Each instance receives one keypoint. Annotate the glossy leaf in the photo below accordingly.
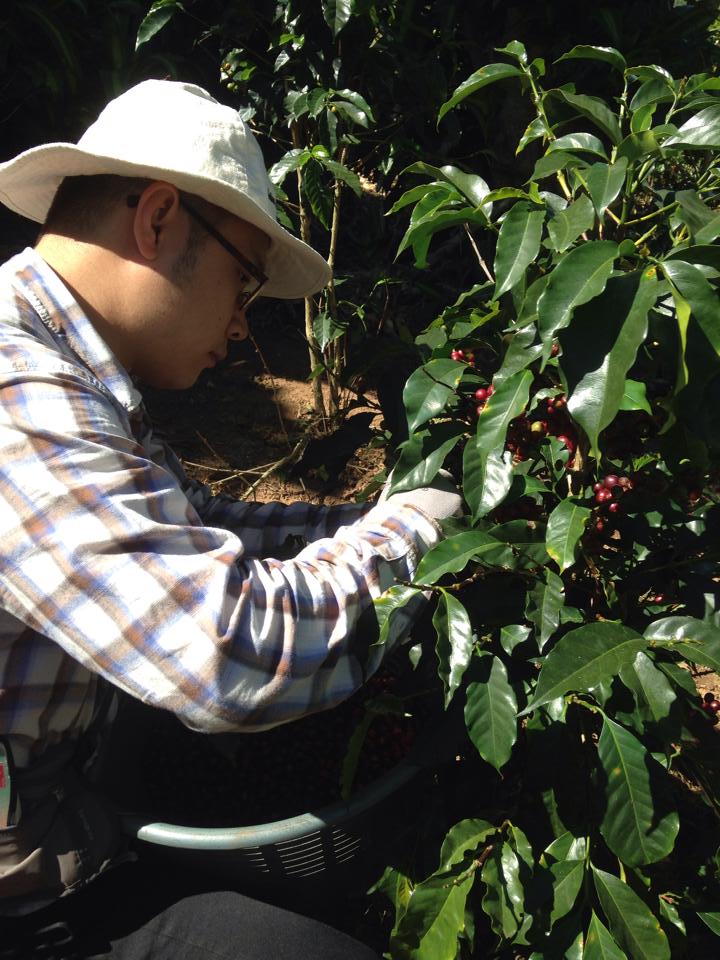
(490, 716)
(566, 525)
(599, 944)
(554, 161)
(470, 185)
(388, 605)
(594, 109)
(160, 13)
(632, 824)
(517, 246)
(568, 876)
(712, 920)
(566, 226)
(490, 73)
(344, 174)
(606, 54)
(428, 390)
(635, 397)
(507, 402)
(503, 897)
(465, 838)
(693, 639)
(653, 692)
(632, 923)
(579, 141)
(699, 293)
(583, 658)
(610, 328)
(454, 643)
(337, 13)
(486, 479)
(288, 163)
(699, 132)
(432, 922)
(545, 602)
(454, 553)
(423, 454)
(605, 181)
(580, 276)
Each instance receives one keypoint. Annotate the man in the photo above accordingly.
(117, 571)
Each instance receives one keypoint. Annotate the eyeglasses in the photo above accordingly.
(246, 297)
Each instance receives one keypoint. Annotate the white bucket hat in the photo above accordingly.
(176, 132)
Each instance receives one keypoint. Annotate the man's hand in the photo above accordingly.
(440, 500)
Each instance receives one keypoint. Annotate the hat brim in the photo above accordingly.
(29, 182)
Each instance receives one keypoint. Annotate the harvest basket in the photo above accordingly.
(331, 844)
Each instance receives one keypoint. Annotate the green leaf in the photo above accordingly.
(632, 923)
(429, 388)
(566, 524)
(605, 181)
(344, 174)
(388, 604)
(486, 479)
(454, 553)
(712, 920)
(632, 824)
(640, 143)
(594, 109)
(518, 245)
(653, 91)
(609, 329)
(599, 944)
(583, 658)
(490, 73)
(423, 455)
(455, 641)
(554, 161)
(579, 141)
(291, 161)
(464, 838)
(545, 603)
(507, 402)
(580, 276)
(469, 185)
(635, 397)
(490, 716)
(326, 329)
(653, 692)
(699, 132)
(607, 54)
(503, 899)
(434, 919)
(566, 227)
(160, 13)
(337, 13)
(695, 640)
(568, 876)
(701, 296)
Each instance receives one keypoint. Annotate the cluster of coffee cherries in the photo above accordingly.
(482, 395)
(711, 707)
(463, 356)
(608, 491)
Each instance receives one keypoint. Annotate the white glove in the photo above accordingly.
(439, 501)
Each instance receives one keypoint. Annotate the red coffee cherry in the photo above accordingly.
(481, 394)
(611, 481)
(567, 441)
(602, 495)
(613, 507)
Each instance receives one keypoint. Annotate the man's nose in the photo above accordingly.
(238, 326)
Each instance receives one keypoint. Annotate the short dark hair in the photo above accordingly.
(81, 204)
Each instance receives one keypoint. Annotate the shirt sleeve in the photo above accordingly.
(264, 528)
(104, 553)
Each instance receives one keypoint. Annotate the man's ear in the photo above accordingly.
(156, 216)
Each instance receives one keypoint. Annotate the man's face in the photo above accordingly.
(197, 309)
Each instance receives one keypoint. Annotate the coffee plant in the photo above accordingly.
(574, 392)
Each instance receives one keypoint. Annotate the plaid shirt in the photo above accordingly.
(114, 564)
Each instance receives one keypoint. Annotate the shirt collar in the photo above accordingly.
(67, 321)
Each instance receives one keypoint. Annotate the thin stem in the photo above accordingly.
(481, 261)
